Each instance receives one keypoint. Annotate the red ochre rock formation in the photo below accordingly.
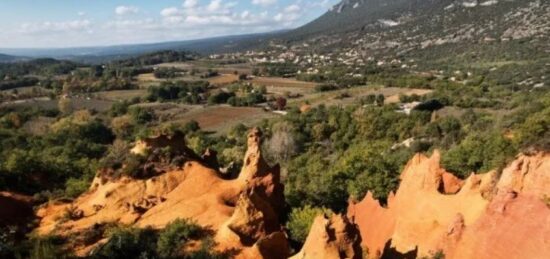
(333, 237)
(485, 216)
(243, 213)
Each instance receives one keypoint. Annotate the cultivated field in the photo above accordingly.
(47, 104)
(120, 95)
(280, 86)
(336, 97)
(223, 79)
(222, 118)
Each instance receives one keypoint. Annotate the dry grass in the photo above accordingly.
(120, 95)
(223, 79)
(282, 82)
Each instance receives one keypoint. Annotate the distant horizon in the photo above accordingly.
(79, 24)
(140, 43)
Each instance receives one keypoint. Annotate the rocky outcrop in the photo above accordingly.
(433, 211)
(333, 237)
(243, 213)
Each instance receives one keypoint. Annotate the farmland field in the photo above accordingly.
(332, 97)
(223, 79)
(279, 85)
(120, 95)
(46, 103)
(223, 118)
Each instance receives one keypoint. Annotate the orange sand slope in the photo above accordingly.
(486, 216)
(242, 212)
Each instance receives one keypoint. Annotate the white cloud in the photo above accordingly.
(292, 8)
(264, 2)
(289, 15)
(48, 26)
(190, 20)
(171, 11)
(190, 4)
(125, 10)
(215, 5)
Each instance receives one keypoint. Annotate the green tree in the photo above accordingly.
(301, 219)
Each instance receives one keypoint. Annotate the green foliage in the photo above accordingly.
(46, 163)
(141, 115)
(21, 82)
(187, 92)
(210, 73)
(155, 58)
(479, 153)
(279, 69)
(325, 88)
(535, 130)
(47, 248)
(42, 67)
(128, 243)
(76, 186)
(175, 235)
(125, 242)
(300, 221)
(249, 100)
(220, 97)
(167, 72)
(119, 108)
(191, 126)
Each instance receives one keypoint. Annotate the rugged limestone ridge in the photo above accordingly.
(432, 212)
(242, 212)
(333, 237)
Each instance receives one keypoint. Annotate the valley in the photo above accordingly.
(381, 129)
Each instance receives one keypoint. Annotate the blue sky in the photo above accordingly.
(71, 23)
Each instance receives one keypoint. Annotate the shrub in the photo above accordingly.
(301, 219)
(478, 153)
(127, 243)
(219, 98)
(175, 235)
(47, 248)
(74, 187)
(133, 166)
(325, 88)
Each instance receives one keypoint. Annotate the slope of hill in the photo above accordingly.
(431, 29)
(107, 53)
(8, 58)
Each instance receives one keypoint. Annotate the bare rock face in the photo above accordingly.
(333, 237)
(259, 177)
(528, 175)
(242, 212)
(253, 218)
(175, 142)
(481, 217)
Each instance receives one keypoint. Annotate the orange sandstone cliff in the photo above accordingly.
(333, 237)
(485, 216)
(243, 213)
(492, 215)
